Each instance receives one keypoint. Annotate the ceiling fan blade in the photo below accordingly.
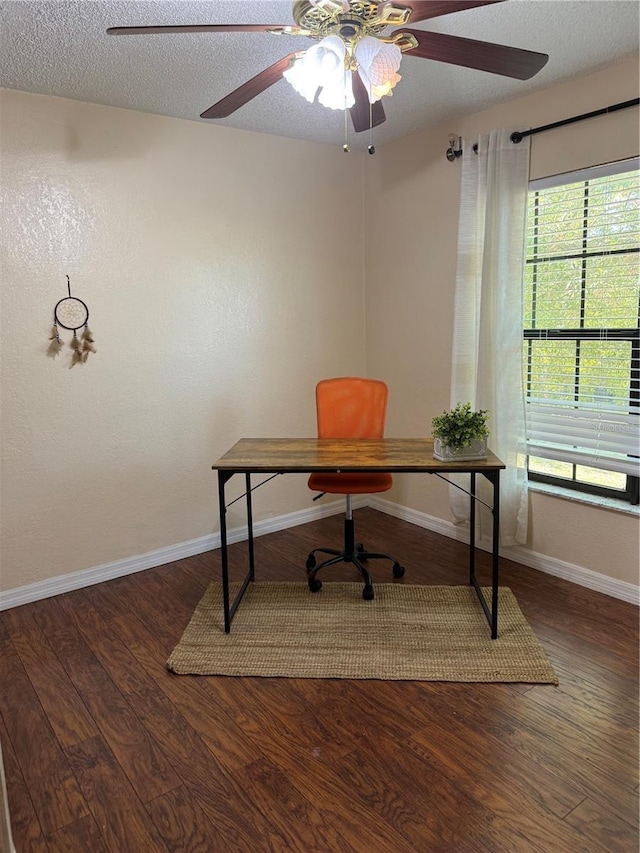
(481, 55)
(423, 9)
(361, 117)
(243, 94)
(207, 28)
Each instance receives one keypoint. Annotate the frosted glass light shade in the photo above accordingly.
(323, 67)
(378, 64)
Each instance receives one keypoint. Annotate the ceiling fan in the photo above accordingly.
(353, 65)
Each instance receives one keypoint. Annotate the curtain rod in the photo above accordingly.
(518, 135)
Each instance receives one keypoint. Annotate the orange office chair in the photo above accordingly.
(350, 408)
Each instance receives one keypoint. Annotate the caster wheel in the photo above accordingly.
(311, 562)
(360, 552)
(398, 570)
(315, 585)
(367, 593)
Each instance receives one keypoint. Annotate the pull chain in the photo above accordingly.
(345, 147)
(371, 148)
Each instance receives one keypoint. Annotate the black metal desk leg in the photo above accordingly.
(491, 612)
(472, 528)
(496, 554)
(223, 476)
(252, 567)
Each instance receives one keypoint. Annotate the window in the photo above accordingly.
(581, 339)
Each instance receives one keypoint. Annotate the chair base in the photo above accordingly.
(352, 553)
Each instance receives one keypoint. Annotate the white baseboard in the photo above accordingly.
(129, 565)
(519, 554)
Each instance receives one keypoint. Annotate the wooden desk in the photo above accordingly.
(395, 455)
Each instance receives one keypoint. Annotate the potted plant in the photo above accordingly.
(460, 433)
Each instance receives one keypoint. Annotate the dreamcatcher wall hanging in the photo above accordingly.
(72, 314)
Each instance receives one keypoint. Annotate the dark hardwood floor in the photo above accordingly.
(105, 750)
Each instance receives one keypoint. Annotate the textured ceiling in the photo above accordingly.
(60, 48)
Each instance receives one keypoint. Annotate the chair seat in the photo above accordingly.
(350, 483)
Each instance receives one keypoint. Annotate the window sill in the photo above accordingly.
(584, 498)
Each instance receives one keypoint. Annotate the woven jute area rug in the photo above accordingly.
(424, 633)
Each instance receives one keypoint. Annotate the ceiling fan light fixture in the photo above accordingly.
(323, 67)
(326, 67)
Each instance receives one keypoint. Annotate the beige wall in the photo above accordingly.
(410, 275)
(223, 273)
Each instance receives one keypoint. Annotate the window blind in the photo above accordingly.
(582, 306)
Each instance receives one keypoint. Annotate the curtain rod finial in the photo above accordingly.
(455, 148)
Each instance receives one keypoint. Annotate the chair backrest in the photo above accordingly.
(351, 407)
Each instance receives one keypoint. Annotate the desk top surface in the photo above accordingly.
(327, 454)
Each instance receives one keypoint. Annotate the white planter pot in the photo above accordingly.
(476, 450)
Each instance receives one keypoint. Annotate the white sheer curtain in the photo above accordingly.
(487, 338)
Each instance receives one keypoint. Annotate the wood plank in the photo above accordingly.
(299, 825)
(541, 747)
(118, 812)
(606, 701)
(598, 641)
(226, 742)
(376, 772)
(65, 710)
(571, 656)
(359, 823)
(183, 824)
(537, 781)
(577, 737)
(143, 762)
(217, 794)
(542, 829)
(4, 631)
(151, 603)
(611, 833)
(52, 786)
(25, 826)
(82, 835)
(20, 620)
(306, 733)
(621, 738)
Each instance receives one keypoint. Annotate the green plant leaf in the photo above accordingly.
(460, 426)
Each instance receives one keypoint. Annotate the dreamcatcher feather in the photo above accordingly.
(72, 314)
